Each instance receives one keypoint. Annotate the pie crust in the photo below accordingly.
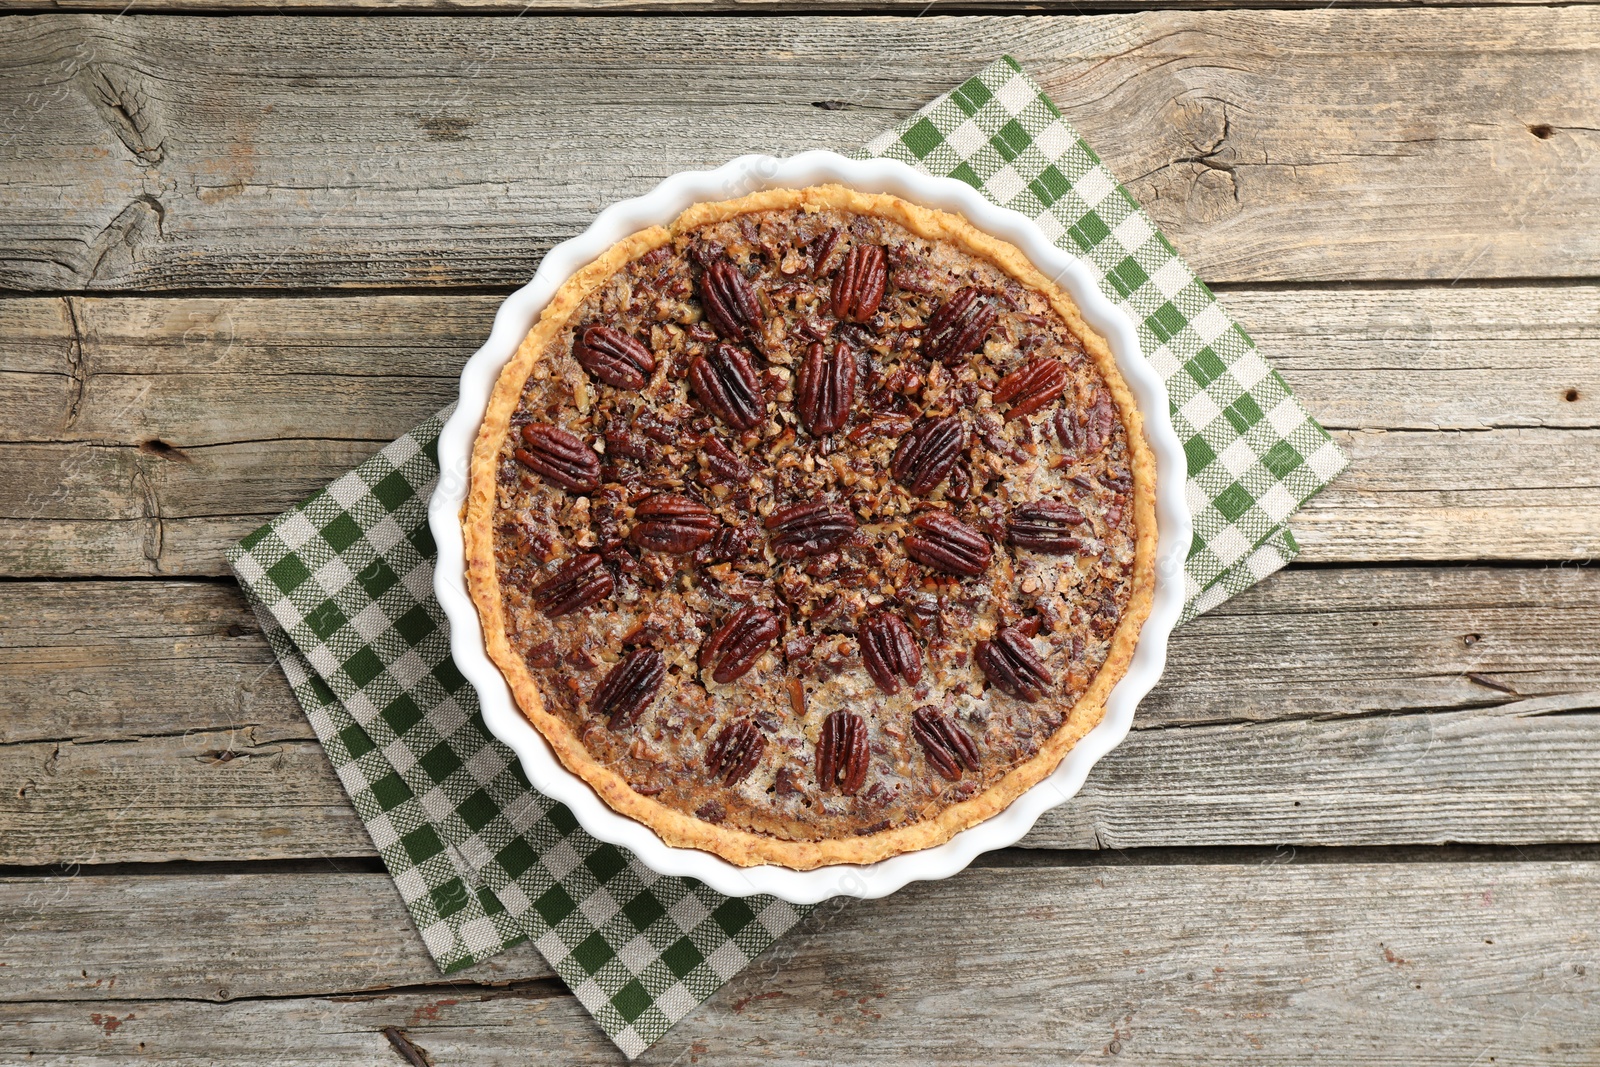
(683, 828)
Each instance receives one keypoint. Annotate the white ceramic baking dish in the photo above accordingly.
(740, 176)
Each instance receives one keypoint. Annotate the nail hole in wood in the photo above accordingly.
(1572, 395)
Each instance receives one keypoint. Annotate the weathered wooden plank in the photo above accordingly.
(150, 432)
(1326, 707)
(1342, 963)
(616, 7)
(1270, 145)
(190, 794)
(220, 937)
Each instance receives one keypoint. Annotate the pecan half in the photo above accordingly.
(724, 463)
(559, 457)
(577, 583)
(730, 543)
(842, 752)
(669, 522)
(1094, 428)
(1031, 386)
(613, 357)
(726, 383)
(730, 301)
(825, 388)
(736, 751)
(629, 688)
(926, 455)
(959, 327)
(810, 529)
(859, 285)
(890, 653)
(1012, 666)
(1043, 525)
(946, 543)
(735, 646)
(948, 747)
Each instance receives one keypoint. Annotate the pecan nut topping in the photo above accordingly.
(810, 529)
(736, 751)
(735, 646)
(726, 384)
(1012, 666)
(948, 747)
(959, 327)
(576, 584)
(613, 357)
(559, 457)
(926, 455)
(669, 522)
(629, 688)
(946, 543)
(825, 389)
(1090, 431)
(842, 752)
(1043, 526)
(730, 301)
(890, 653)
(859, 286)
(724, 463)
(1031, 386)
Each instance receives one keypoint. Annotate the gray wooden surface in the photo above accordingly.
(1359, 822)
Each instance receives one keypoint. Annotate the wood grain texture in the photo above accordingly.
(653, 7)
(1325, 707)
(150, 432)
(220, 937)
(1341, 964)
(1368, 144)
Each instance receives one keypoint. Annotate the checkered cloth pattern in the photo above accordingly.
(1255, 455)
(343, 588)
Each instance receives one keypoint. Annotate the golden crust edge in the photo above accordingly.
(742, 847)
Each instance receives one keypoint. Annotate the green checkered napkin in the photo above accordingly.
(1255, 455)
(343, 587)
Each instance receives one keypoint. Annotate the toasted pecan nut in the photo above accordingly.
(890, 653)
(577, 583)
(613, 357)
(1012, 666)
(724, 463)
(959, 327)
(810, 529)
(670, 522)
(842, 753)
(726, 384)
(1089, 430)
(629, 688)
(560, 457)
(736, 751)
(945, 543)
(825, 388)
(927, 454)
(1031, 386)
(948, 747)
(859, 285)
(1044, 526)
(730, 301)
(735, 646)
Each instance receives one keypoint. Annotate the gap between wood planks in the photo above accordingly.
(1158, 856)
(718, 8)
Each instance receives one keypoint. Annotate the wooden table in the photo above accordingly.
(1356, 823)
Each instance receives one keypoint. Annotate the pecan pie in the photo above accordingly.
(812, 528)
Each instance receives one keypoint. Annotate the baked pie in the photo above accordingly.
(812, 528)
